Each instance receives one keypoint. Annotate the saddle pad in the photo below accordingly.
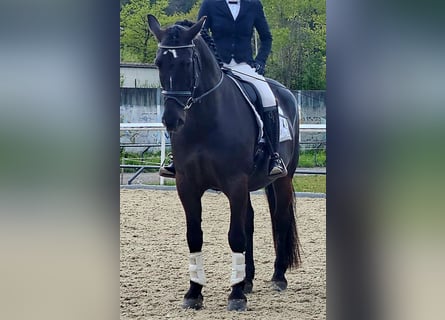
(284, 122)
(284, 126)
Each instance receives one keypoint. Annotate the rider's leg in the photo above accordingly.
(270, 118)
(272, 129)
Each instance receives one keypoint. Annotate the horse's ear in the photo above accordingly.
(155, 27)
(196, 28)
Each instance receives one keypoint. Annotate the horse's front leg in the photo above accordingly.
(238, 198)
(191, 201)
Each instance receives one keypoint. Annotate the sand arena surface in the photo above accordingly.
(154, 260)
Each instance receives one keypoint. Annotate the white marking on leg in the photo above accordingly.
(171, 83)
(196, 268)
(238, 268)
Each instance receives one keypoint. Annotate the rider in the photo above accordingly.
(232, 23)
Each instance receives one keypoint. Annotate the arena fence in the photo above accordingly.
(160, 127)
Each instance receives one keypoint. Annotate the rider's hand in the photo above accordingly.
(259, 68)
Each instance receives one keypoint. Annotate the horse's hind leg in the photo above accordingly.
(250, 267)
(191, 201)
(281, 203)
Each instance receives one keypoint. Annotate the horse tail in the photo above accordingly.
(284, 228)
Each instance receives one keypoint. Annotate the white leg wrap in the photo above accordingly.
(238, 268)
(196, 268)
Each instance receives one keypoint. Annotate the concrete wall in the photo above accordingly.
(140, 105)
(313, 104)
(139, 75)
(313, 109)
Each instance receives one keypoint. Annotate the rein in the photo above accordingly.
(172, 94)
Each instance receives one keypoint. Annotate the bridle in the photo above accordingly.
(174, 94)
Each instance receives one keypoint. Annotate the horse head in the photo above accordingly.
(177, 63)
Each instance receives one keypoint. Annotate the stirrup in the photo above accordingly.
(277, 167)
(168, 171)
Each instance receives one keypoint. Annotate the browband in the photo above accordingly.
(191, 45)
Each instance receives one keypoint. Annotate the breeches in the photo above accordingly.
(249, 74)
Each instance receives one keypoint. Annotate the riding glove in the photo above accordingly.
(259, 67)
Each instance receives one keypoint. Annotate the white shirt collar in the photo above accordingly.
(234, 8)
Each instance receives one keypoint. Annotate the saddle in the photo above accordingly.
(249, 91)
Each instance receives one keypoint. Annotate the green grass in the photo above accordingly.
(312, 158)
(310, 183)
(136, 158)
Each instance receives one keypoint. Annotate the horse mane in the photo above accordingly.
(185, 23)
(173, 33)
(208, 39)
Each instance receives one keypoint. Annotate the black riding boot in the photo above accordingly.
(272, 129)
(168, 171)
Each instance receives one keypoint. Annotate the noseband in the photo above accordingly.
(173, 94)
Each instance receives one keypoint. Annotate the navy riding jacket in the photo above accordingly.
(233, 37)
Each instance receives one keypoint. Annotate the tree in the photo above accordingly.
(183, 6)
(136, 41)
(298, 57)
(135, 35)
(123, 2)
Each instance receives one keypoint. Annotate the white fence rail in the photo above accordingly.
(148, 127)
(309, 127)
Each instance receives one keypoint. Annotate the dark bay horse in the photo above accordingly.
(214, 137)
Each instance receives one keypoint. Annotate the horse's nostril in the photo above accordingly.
(173, 125)
(167, 125)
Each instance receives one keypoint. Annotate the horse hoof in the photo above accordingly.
(195, 303)
(279, 285)
(237, 305)
(248, 287)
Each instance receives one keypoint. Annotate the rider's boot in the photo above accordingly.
(168, 171)
(272, 128)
